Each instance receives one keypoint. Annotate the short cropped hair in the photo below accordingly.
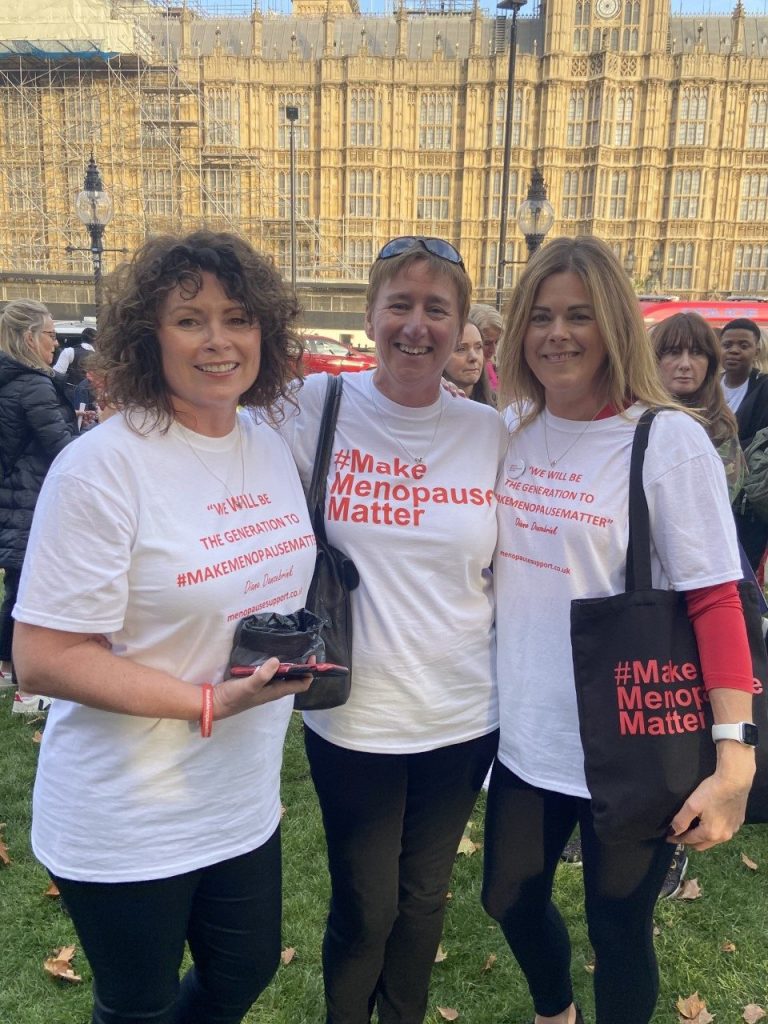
(384, 270)
(743, 323)
(128, 361)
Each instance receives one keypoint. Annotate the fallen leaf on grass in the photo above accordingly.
(749, 863)
(728, 947)
(489, 962)
(52, 891)
(656, 930)
(590, 967)
(693, 1010)
(691, 890)
(37, 736)
(467, 848)
(283, 811)
(60, 964)
(753, 1013)
(4, 857)
(448, 1013)
(288, 954)
(440, 955)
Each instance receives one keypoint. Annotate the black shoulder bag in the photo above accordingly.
(644, 716)
(335, 574)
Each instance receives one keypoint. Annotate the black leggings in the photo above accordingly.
(525, 833)
(133, 934)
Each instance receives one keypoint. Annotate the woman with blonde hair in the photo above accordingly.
(579, 370)
(36, 422)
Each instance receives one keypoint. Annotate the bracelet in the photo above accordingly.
(206, 717)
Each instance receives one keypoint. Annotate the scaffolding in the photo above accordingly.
(169, 137)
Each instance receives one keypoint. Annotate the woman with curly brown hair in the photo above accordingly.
(176, 517)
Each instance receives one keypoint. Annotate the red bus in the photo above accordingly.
(715, 313)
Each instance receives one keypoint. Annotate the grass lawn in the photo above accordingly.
(732, 908)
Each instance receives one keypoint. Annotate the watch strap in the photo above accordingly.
(742, 732)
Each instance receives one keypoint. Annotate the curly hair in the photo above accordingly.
(128, 362)
(692, 333)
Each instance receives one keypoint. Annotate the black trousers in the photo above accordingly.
(393, 823)
(11, 585)
(525, 832)
(133, 934)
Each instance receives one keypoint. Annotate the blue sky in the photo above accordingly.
(223, 7)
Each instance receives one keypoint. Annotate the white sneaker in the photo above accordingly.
(30, 704)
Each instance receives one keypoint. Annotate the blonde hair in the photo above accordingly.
(631, 373)
(384, 270)
(16, 319)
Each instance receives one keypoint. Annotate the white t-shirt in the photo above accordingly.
(734, 396)
(562, 535)
(162, 542)
(422, 538)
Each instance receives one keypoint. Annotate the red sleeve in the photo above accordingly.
(718, 622)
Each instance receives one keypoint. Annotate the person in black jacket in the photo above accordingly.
(36, 421)
(746, 392)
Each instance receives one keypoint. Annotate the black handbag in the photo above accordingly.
(335, 574)
(644, 717)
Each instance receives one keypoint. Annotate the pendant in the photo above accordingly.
(418, 461)
(553, 462)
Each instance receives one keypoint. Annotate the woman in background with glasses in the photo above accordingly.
(36, 422)
(410, 499)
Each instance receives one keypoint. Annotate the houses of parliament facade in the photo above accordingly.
(651, 131)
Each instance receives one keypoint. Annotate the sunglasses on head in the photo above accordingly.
(435, 246)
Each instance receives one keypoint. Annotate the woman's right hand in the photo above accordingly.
(239, 693)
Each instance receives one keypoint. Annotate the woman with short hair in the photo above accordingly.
(397, 769)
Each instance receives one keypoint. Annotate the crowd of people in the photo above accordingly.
(194, 490)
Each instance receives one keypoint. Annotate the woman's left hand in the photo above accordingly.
(714, 812)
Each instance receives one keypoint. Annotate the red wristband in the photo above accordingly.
(206, 717)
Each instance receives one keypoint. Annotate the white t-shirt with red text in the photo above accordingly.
(162, 543)
(563, 534)
(422, 538)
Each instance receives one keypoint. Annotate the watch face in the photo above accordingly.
(750, 734)
(607, 8)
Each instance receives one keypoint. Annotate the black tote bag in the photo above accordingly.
(644, 717)
(335, 576)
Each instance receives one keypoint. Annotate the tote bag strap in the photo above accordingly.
(316, 494)
(638, 573)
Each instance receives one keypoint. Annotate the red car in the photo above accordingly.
(324, 355)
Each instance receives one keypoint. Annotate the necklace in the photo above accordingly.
(561, 456)
(208, 469)
(417, 460)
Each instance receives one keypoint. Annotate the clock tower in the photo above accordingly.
(592, 26)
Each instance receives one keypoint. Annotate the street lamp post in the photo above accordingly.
(629, 263)
(94, 208)
(514, 6)
(292, 113)
(654, 267)
(536, 215)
